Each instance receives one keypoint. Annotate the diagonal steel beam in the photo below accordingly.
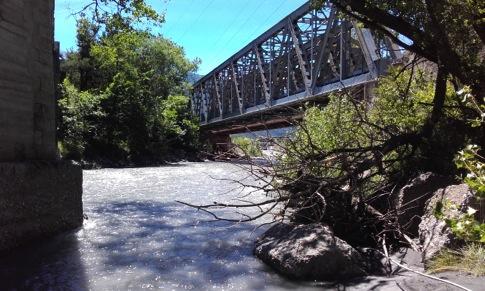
(267, 94)
(236, 85)
(218, 94)
(368, 47)
(226, 94)
(333, 66)
(396, 52)
(323, 50)
(198, 101)
(299, 54)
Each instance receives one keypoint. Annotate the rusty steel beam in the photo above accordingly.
(277, 122)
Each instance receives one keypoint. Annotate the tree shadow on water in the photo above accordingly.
(178, 246)
(145, 244)
(173, 243)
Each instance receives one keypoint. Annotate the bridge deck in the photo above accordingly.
(309, 54)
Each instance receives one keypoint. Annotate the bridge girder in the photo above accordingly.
(310, 53)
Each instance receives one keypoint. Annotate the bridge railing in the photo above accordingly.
(311, 52)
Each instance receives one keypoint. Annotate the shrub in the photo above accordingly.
(126, 106)
(469, 259)
(465, 225)
(347, 124)
(250, 147)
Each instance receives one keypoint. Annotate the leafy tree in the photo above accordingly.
(81, 113)
(121, 14)
(181, 128)
(134, 79)
(249, 147)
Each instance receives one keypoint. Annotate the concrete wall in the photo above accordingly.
(39, 195)
(38, 199)
(27, 104)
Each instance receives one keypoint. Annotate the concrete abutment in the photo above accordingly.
(38, 199)
(39, 194)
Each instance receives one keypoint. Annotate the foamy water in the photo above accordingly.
(137, 237)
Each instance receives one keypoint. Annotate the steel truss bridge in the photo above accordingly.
(306, 56)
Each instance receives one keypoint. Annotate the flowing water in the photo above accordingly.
(138, 237)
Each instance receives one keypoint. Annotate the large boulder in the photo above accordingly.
(309, 251)
(411, 199)
(434, 234)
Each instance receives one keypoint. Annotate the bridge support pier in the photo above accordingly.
(40, 195)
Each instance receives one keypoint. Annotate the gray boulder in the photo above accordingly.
(308, 252)
(411, 199)
(434, 234)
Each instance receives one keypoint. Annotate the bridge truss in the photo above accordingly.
(310, 53)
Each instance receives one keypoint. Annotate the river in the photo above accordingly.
(137, 237)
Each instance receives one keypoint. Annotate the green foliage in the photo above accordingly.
(351, 150)
(349, 156)
(469, 259)
(474, 164)
(331, 127)
(182, 129)
(132, 82)
(250, 147)
(125, 14)
(397, 108)
(470, 101)
(158, 63)
(462, 224)
(80, 113)
(400, 106)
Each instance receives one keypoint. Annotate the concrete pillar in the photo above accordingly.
(39, 195)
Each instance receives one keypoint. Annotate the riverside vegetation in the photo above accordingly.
(124, 90)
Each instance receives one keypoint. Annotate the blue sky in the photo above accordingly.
(211, 30)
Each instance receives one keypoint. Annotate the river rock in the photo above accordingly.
(434, 234)
(309, 251)
(411, 199)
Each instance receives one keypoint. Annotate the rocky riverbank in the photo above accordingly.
(313, 251)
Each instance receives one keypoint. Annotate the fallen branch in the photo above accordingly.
(204, 208)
